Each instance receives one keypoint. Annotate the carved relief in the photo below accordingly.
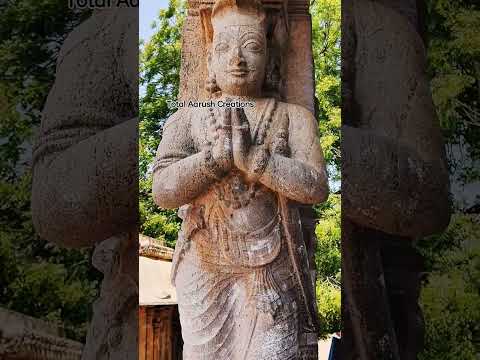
(241, 266)
(84, 190)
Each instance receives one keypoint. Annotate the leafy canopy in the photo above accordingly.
(37, 278)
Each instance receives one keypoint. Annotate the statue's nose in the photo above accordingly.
(237, 58)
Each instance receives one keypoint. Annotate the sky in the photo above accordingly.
(148, 10)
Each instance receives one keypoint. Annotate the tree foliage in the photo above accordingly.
(37, 278)
(159, 83)
(454, 65)
(449, 298)
(326, 36)
(328, 261)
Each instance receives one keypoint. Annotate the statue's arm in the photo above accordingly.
(86, 192)
(302, 176)
(85, 166)
(394, 172)
(180, 174)
(387, 185)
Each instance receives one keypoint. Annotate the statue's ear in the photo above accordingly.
(206, 17)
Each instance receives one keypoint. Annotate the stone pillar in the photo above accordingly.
(300, 82)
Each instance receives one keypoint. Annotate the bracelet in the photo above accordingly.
(211, 166)
(260, 162)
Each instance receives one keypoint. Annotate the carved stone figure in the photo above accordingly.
(394, 178)
(85, 178)
(239, 174)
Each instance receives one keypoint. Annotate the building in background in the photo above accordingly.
(159, 325)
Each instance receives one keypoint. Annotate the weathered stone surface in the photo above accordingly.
(241, 265)
(85, 183)
(24, 337)
(394, 178)
(85, 159)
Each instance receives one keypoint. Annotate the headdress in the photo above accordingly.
(239, 12)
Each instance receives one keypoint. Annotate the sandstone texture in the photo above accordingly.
(241, 177)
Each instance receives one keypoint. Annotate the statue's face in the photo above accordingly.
(238, 58)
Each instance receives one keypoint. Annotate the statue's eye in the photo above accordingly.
(252, 45)
(223, 46)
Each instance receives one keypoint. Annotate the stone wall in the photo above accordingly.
(26, 338)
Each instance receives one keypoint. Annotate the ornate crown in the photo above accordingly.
(238, 10)
(252, 9)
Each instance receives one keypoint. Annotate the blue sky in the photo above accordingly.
(148, 10)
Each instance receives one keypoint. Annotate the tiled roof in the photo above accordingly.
(155, 266)
(154, 249)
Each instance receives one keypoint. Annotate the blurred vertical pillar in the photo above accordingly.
(394, 177)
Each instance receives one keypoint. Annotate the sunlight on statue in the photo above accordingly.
(244, 284)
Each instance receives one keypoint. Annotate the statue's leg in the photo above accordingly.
(403, 266)
(208, 302)
(274, 307)
(369, 332)
(274, 338)
(382, 282)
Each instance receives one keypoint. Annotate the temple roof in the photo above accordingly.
(154, 249)
(154, 273)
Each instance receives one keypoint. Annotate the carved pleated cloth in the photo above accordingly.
(236, 288)
(233, 314)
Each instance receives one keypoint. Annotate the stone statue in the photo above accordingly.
(85, 174)
(395, 186)
(239, 175)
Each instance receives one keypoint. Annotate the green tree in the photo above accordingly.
(449, 297)
(328, 261)
(326, 36)
(38, 278)
(454, 66)
(159, 82)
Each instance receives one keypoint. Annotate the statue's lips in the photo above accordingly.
(239, 72)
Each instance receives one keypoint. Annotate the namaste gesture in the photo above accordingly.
(234, 148)
(241, 265)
